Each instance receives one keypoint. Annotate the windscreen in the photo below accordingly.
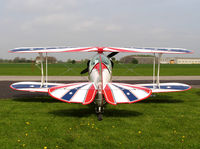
(96, 59)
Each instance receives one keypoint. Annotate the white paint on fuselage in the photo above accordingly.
(100, 80)
(95, 77)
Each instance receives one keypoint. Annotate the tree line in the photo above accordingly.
(50, 59)
(53, 60)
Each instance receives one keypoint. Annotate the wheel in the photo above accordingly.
(100, 117)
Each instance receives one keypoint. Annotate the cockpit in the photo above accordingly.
(96, 59)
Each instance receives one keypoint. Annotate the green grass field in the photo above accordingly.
(167, 121)
(119, 69)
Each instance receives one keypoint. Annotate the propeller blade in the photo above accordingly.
(112, 54)
(86, 69)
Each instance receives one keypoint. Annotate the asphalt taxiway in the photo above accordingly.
(7, 92)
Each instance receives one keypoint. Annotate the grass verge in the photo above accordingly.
(119, 69)
(167, 120)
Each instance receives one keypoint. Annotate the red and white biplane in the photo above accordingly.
(100, 89)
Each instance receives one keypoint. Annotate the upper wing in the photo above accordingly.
(52, 49)
(125, 93)
(99, 49)
(149, 50)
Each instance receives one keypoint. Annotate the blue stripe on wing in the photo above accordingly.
(168, 49)
(169, 87)
(23, 86)
(127, 93)
(71, 93)
(18, 50)
(180, 50)
(26, 49)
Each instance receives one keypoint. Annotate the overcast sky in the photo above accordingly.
(141, 23)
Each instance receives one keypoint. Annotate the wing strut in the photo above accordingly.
(42, 69)
(154, 69)
(158, 73)
(44, 79)
(46, 69)
(156, 79)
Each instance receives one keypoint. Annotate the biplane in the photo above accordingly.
(100, 89)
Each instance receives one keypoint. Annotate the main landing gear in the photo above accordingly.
(99, 111)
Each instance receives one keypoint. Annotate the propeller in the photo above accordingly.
(112, 54)
(88, 62)
(86, 69)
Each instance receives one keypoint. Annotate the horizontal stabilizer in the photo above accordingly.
(75, 93)
(33, 86)
(166, 87)
(125, 93)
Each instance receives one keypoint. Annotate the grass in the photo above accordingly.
(167, 121)
(119, 69)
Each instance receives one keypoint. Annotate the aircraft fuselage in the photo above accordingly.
(100, 72)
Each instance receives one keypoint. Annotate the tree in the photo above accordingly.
(134, 61)
(16, 60)
(73, 61)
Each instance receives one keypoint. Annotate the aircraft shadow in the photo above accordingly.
(121, 113)
(198, 93)
(160, 99)
(87, 112)
(42, 97)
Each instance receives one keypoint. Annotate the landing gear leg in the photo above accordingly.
(99, 111)
(100, 117)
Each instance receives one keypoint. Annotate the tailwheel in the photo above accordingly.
(100, 116)
(99, 111)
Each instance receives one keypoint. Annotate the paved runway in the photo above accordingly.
(7, 92)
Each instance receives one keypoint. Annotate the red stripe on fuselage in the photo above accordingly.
(109, 95)
(90, 95)
(97, 66)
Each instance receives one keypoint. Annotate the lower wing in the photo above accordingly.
(166, 87)
(33, 86)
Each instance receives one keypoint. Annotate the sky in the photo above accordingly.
(123, 23)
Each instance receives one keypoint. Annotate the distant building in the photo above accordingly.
(141, 59)
(178, 60)
(168, 60)
(164, 60)
(188, 61)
